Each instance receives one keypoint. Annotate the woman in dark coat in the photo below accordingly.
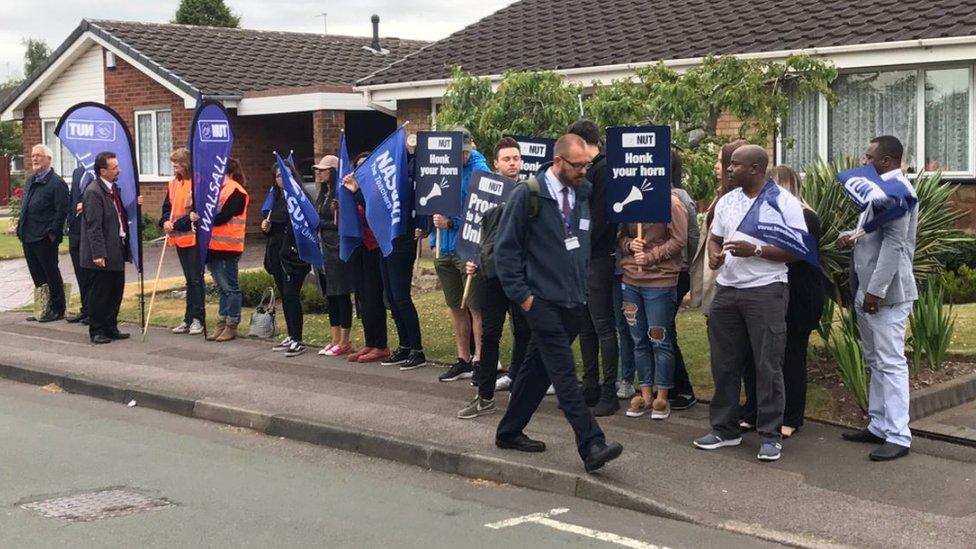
(335, 277)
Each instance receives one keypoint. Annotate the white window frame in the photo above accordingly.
(56, 148)
(823, 119)
(147, 176)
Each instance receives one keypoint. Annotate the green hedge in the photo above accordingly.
(255, 283)
(960, 286)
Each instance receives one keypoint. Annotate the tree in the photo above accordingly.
(35, 55)
(210, 13)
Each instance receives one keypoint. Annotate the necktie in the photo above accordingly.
(567, 211)
(119, 208)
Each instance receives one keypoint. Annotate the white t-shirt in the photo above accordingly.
(751, 272)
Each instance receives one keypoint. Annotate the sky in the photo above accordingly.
(52, 21)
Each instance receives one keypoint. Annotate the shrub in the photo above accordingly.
(960, 286)
(963, 253)
(932, 324)
(312, 300)
(844, 346)
(255, 282)
(149, 228)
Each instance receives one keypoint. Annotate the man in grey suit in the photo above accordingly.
(884, 291)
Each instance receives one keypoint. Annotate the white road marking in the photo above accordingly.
(543, 519)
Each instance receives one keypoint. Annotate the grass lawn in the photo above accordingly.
(10, 246)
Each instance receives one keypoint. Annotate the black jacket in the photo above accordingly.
(100, 230)
(530, 252)
(75, 218)
(44, 209)
(603, 240)
(489, 233)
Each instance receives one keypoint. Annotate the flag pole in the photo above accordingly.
(467, 289)
(159, 269)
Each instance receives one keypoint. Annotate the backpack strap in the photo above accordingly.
(533, 184)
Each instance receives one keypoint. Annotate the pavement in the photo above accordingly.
(823, 492)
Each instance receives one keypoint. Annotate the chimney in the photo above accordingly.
(376, 33)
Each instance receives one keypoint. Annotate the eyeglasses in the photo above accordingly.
(576, 165)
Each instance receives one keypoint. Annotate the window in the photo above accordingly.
(63, 162)
(800, 126)
(154, 143)
(947, 120)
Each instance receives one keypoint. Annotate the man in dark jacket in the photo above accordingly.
(79, 180)
(104, 249)
(40, 229)
(541, 258)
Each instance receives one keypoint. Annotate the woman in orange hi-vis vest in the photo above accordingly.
(175, 221)
(225, 249)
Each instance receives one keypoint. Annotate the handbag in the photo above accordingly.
(263, 323)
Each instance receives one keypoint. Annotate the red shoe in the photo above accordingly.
(375, 355)
(354, 357)
(339, 350)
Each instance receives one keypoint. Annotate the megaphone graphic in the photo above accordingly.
(635, 195)
(435, 191)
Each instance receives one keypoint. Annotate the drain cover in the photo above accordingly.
(96, 505)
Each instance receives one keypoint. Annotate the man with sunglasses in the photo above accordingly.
(541, 258)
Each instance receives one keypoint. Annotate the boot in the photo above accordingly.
(608, 404)
(219, 329)
(229, 333)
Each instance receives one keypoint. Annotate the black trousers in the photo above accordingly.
(369, 296)
(598, 333)
(682, 384)
(549, 360)
(42, 262)
(397, 274)
(104, 300)
(190, 262)
(494, 306)
(83, 276)
(291, 302)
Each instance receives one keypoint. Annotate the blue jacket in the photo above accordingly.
(476, 161)
(530, 253)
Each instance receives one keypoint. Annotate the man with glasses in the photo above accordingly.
(541, 257)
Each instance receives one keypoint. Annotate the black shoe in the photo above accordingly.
(889, 451)
(76, 318)
(600, 454)
(608, 403)
(682, 402)
(415, 359)
(397, 358)
(100, 339)
(31, 318)
(475, 373)
(86, 321)
(591, 394)
(521, 443)
(863, 436)
(460, 370)
(51, 316)
(117, 335)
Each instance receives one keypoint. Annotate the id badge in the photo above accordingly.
(572, 243)
(584, 224)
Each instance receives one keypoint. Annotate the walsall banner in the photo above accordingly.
(535, 152)
(765, 221)
(485, 191)
(90, 128)
(639, 162)
(386, 190)
(350, 234)
(437, 173)
(304, 218)
(889, 198)
(211, 139)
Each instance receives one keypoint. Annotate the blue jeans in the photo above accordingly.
(224, 271)
(627, 364)
(650, 314)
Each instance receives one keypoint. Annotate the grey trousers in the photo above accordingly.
(738, 320)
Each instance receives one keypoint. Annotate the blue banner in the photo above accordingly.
(765, 221)
(304, 218)
(386, 190)
(350, 233)
(485, 191)
(536, 152)
(639, 182)
(211, 139)
(438, 169)
(889, 198)
(87, 129)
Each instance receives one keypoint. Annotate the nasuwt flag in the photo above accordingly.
(386, 190)
(765, 221)
(889, 198)
(211, 139)
(90, 128)
(304, 218)
(350, 233)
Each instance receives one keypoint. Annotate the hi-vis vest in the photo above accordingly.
(229, 237)
(180, 201)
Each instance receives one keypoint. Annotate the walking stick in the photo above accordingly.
(467, 289)
(640, 236)
(159, 269)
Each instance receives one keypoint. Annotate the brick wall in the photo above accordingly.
(326, 126)
(31, 132)
(728, 126)
(417, 112)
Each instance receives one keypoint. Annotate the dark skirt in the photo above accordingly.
(335, 277)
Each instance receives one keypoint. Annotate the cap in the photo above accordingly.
(467, 142)
(328, 161)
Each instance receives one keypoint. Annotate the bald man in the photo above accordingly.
(749, 308)
(542, 253)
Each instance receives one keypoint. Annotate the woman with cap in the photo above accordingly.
(335, 277)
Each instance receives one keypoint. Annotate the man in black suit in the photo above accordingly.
(40, 229)
(104, 249)
(79, 180)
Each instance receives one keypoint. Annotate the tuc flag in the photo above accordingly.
(889, 198)
(386, 190)
(90, 128)
(765, 221)
(304, 218)
(350, 234)
(211, 139)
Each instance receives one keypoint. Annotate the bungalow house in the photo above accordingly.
(906, 65)
(284, 91)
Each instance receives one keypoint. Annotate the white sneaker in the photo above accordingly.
(625, 389)
(283, 346)
(182, 328)
(504, 383)
(196, 327)
(551, 390)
